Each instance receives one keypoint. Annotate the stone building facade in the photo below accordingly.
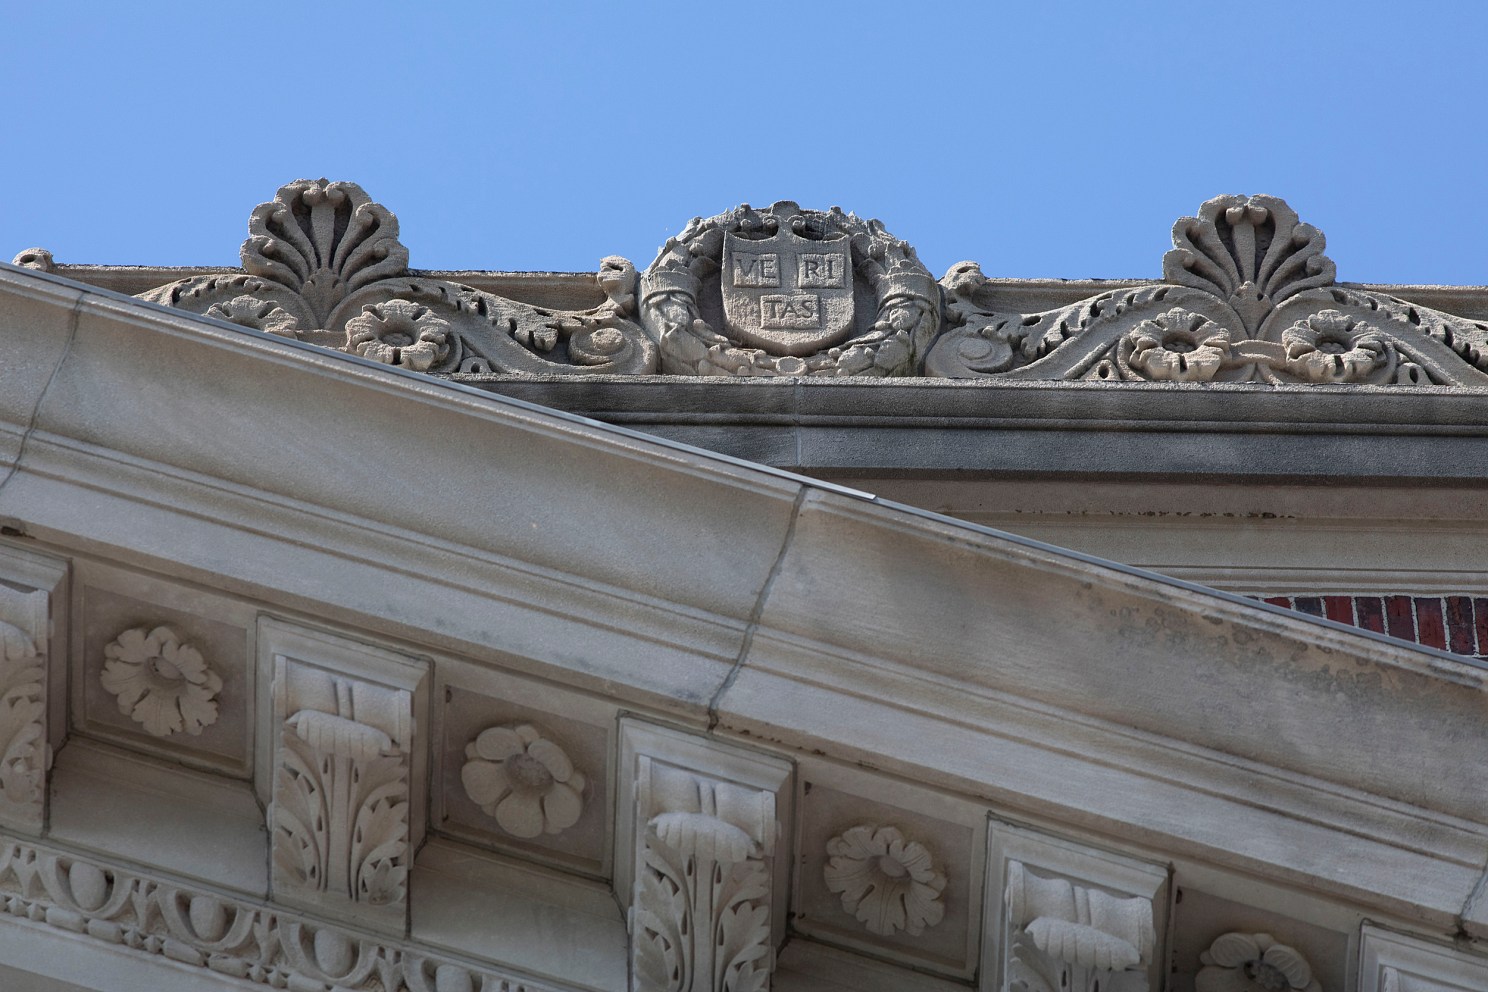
(776, 617)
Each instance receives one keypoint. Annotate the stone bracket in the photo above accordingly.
(1064, 916)
(1395, 962)
(342, 761)
(700, 859)
(33, 673)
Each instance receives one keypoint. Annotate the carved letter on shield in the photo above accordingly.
(787, 294)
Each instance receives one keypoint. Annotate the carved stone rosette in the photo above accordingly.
(1246, 295)
(787, 291)
(323, 264)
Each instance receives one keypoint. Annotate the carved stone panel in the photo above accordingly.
(525, 768)
(706, 865)
(343, 773)
(164, 667)
(1395, 962)
(30, 588)
(1067, 917)
(889, 870)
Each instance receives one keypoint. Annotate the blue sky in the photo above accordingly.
(1042, 139)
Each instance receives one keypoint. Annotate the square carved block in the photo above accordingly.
(525, 768)
(163, 667)
(889, 869)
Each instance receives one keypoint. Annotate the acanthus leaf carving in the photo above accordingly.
(701, 910)
(339, 818)
(24, 752)
(1066, 937)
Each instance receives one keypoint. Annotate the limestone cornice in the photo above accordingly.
(534, 520)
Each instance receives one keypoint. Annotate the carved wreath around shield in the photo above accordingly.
(787, 291)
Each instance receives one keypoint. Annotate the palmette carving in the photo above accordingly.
(1064, 937)
(24, 753)
(701, 907)
(150, 916)
(323, 263)
(1247, 295)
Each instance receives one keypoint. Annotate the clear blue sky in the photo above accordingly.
(1043, 139)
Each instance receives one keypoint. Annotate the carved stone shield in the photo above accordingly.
(787, 294)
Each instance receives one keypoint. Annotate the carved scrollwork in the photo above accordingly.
(786, 291)
(1247, 295)
(323, 263)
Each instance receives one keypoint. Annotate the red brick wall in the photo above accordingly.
(1452, 623)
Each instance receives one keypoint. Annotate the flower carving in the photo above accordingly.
(1178, 346)
(1253, 962)
(399, 333)
(160, 682)
(260, 315)
(1332, 347)
(524, 780)
(885, 881)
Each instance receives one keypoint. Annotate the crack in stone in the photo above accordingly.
(72, 329)
(1472, 898)
(759, 608)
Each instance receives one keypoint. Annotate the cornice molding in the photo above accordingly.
(1246, 296)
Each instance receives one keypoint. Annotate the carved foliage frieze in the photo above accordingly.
(323, 264)
(340, 819)
(24, 751)
(1246, 295)
(787, 291)
(127, 909)
(703, 877)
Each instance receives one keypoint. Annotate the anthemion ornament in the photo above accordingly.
(524, 780)
(161, 682)
(887, 882)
